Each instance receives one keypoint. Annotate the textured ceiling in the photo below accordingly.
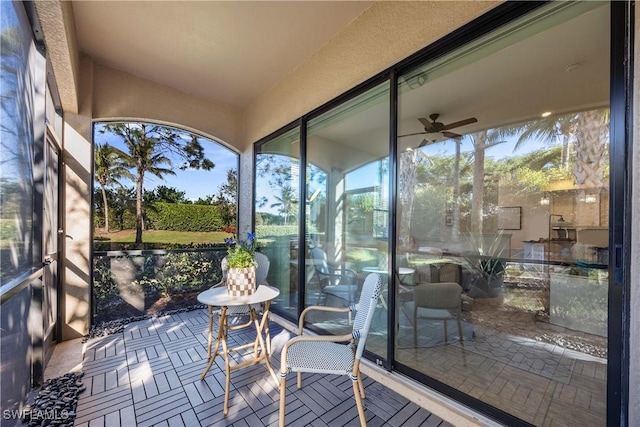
(226, 51)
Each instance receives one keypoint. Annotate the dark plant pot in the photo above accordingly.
(483, 287)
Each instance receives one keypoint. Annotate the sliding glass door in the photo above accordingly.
(503, 201)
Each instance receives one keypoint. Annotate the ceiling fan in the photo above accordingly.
(435, 127)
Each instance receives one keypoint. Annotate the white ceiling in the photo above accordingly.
(226, 51)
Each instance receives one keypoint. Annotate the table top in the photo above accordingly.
(401, 271)
(220, 297)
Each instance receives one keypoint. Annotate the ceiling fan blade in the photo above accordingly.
(412, 134)
(460, 123)
(427, 142)
(451, 135)
(428, 126)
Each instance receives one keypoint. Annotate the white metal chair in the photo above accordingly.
(331, 354)
(437, 301)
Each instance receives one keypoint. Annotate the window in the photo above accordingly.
(503, 216)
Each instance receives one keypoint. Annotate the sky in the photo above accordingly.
(500, 151)
(195, 183)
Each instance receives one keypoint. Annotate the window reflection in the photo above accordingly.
(276, 221)
(347, 208)
(503, 221)
(19, 95)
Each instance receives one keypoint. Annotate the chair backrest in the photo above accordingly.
(224, 266)
(319, 258)
(364, 310)
(444, 295)
(262, 270)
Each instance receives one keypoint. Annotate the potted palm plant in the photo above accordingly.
(241, 263)
(487, 266)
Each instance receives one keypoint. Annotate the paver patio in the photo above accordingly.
(149, 375)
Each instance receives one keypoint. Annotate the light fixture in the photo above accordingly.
(546, 114)
(544, 201)
(590, 198)
(416, 81)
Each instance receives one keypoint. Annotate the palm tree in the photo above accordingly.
(481, 142)
(587, 130)
(549, 130)
(286, 202)
(148, 146)
(111, 164)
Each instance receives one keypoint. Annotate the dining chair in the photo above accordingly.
(332, 354)
(437, 301)
(335, 280)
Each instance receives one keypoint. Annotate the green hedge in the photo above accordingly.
(276, 230)
(184, 217)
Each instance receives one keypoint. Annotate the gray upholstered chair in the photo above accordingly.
(437, 301)
(336, 280)
(331, 354)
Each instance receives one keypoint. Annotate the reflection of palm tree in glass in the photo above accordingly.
(285, 202)
(586, 130)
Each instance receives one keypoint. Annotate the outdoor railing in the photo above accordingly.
(132, 283)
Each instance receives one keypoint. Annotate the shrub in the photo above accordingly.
(184, 217)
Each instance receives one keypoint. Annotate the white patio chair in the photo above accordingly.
(331, 354)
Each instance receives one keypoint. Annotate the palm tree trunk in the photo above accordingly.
(456, 191)
(408, 161)
(105, 208)
(139, 217)
(477, 201)
(591, 149)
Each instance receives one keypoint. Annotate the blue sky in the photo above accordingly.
(195, 183)
(500, 151)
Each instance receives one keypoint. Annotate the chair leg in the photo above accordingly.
(283, 395)
(356, 393)
(459, 327)
(356, 368)
(299, 380)
(446, 335)
(415, 328)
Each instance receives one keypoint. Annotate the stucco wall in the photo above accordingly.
(118, 94)
(383, 35)
(78, 164)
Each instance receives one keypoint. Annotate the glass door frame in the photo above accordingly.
(622, 21)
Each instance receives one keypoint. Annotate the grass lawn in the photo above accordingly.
(164, 236)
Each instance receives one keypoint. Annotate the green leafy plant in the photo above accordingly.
(241, 254)
(484, 259)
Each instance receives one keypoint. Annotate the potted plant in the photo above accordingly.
(487, 266)
(241, 263)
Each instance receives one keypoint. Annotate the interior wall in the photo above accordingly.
(383, 35)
